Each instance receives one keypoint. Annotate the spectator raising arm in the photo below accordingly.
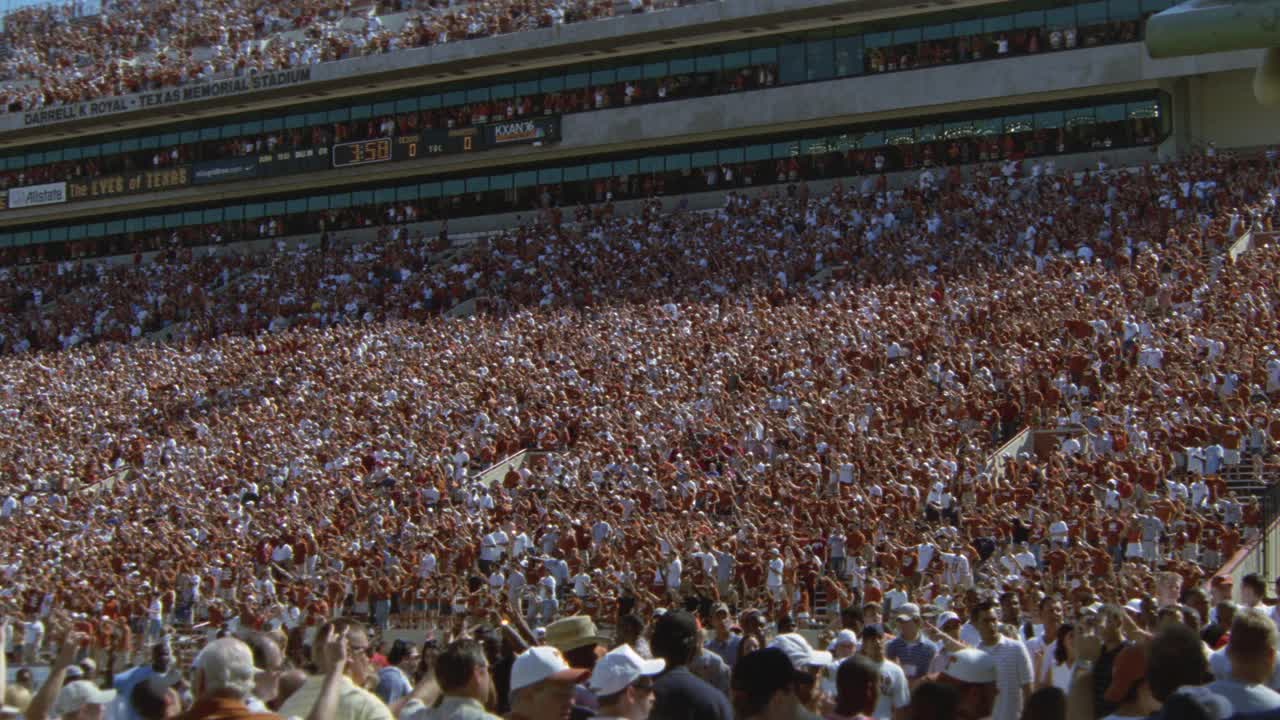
(332, 658)
(42, 704)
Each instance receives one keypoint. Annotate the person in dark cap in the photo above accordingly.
(764, 687)
(678, 693)
(725, 641)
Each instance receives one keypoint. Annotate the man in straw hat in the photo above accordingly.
(576, 636)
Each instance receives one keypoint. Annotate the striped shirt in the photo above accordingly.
(914, 657)
(1013, 671)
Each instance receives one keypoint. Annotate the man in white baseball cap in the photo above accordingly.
(542, 684)
(623, 682)
(844, 645)
(973, 674)
(81, 700)
(800, 652)
(809, 665)
(946, 634)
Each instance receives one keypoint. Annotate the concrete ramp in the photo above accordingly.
(466, 308)
(494, 473)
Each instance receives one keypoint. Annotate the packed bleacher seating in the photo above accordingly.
(54, 46)
(786, 406)
(866, 164)
(58, 55)
(61, 53)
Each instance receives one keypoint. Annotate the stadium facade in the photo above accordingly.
(701, 98)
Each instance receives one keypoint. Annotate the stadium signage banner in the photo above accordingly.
(516, 132)
(163, 98)
(215, 171)
(291, 162)
(33, 195)
(129, 183)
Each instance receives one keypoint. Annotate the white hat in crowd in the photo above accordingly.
(844, 637)
(76, 695)
(908, 611)
(619, 668)
(972, 666)
(800, 652)
(543, 663)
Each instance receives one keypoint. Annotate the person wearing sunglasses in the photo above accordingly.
(393, 680)
(623, 684)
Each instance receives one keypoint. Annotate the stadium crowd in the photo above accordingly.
(775, 417)
(58, 55)
(38, 25)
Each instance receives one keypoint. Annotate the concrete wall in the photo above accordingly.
(994, 83)
(1024, 441)
(991, 84)
(1261, 558)
(1223, 110)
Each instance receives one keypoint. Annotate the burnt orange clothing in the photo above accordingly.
(223, 708)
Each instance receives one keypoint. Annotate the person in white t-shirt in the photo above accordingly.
(896, 598)
(1058, 660)
(1059, 533)
(460, 462)
(895, 693)
(673, 572)
(1014, 676)
(969, 633)
(492, 547)
(427, 565)
(32, 639)
(845, 470)
(776, 568)
(1273, 375)
(155, 620)
(581, 584)
(956, 570)
(600, 532)
(945, 630)
(497, 581)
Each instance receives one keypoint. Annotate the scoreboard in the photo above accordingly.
(430, 143)
(452, 142)
(362, 152)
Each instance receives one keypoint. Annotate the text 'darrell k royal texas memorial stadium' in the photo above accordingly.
(688, 101)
